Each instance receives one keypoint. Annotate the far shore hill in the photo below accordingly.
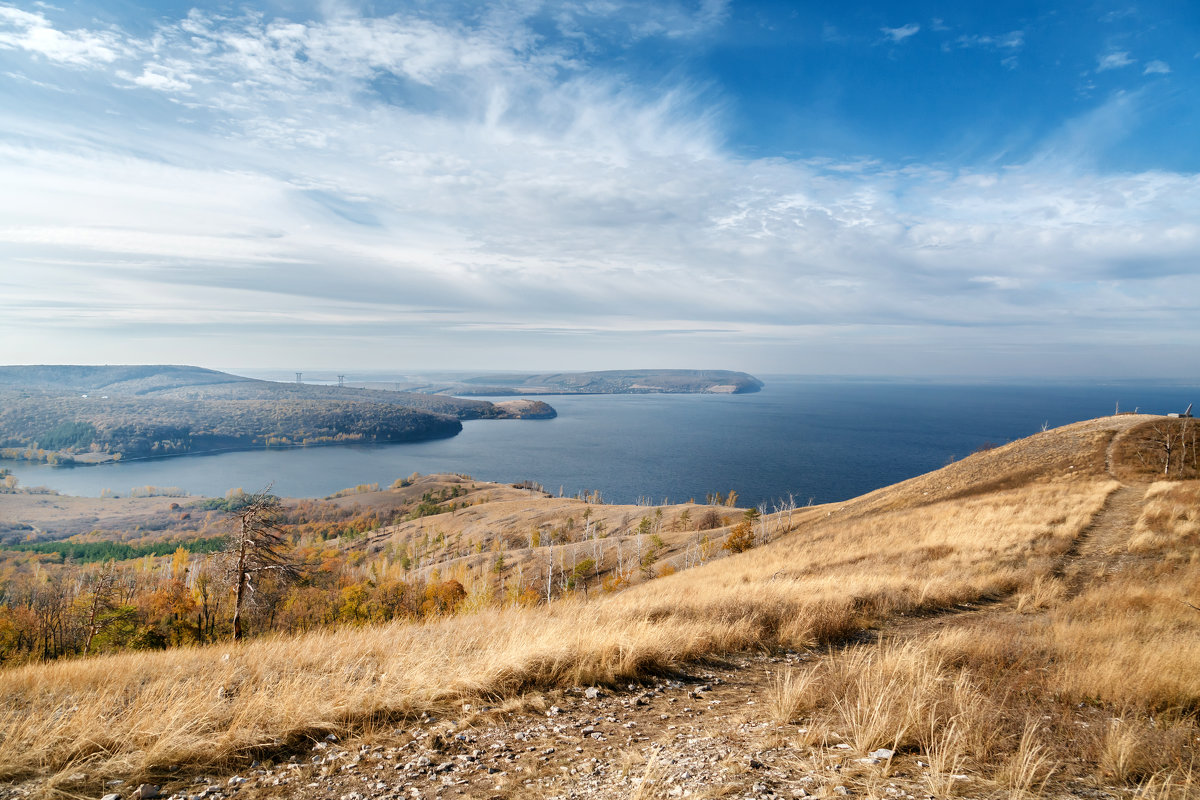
(65, 414)
(636, 381)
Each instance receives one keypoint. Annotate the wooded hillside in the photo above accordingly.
(60, 413)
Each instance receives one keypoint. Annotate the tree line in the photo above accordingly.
(308, 566)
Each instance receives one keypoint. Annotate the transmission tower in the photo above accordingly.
(341, 381)
(298, 374)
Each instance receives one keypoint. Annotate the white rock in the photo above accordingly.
(883, 753)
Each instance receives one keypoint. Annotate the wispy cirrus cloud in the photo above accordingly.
(33, 33)
(901, 33)
(404, 178)
(1157, 68)
(1013, 40)
(1008, 44)
(1113, 60)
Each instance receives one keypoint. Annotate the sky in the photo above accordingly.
(863, 188)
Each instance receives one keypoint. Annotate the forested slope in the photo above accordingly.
(83, 413)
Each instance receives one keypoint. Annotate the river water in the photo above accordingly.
(827, 440)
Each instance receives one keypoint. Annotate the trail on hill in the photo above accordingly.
(1099, 548)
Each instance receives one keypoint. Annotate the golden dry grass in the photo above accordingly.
(137, 714)
(1099, 684)
(1074, 452)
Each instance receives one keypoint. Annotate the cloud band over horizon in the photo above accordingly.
(427, 188)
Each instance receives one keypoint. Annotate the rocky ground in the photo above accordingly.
(710, 734)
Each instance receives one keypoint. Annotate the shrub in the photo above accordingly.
(741, 538)
(708, 520)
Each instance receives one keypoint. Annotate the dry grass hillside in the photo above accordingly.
(1019, 623)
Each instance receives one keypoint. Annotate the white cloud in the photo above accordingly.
(998, 281)
(22, 30)
(1008, 44)
(1157, 68)
(1013, 40)
(399, 179)
(901, 33)
(1114, 60)
(158, 77)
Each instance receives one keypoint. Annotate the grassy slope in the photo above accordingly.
(915, 549)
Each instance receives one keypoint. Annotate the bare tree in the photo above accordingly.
(256, 547)
(101, 591)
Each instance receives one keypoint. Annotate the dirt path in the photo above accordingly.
(1100, 550)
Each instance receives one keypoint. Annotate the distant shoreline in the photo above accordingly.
(215, 451)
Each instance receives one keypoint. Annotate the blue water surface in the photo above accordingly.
(827, 440)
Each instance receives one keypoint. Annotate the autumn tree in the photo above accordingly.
(208, 603)
(741, 538)
(256, 547)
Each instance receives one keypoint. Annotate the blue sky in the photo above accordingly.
(1003, 189)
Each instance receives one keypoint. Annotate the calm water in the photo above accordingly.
(814, 439)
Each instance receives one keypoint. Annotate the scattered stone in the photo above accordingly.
(146, 791)
(112, 796)
(712, 745)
